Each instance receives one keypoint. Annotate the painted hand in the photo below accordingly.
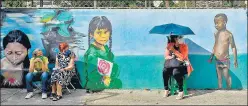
(236, 64)
(106, 80)
(210, 60)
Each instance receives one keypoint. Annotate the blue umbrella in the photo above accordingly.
(171, 29)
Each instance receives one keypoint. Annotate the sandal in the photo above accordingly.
(56, 97)
(52, 95)
(59, 97)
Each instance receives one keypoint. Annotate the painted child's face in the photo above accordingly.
(15, 52)
(101, 36)
(219, 23)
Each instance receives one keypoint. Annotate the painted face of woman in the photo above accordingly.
(15, 53)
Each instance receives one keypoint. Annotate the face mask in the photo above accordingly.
(181, 41)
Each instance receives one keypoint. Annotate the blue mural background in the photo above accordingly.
(140, 54)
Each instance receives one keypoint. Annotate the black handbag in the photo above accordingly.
(172, 63)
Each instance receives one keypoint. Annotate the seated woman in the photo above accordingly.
(64, 65)
(176, 49)
(38, 69)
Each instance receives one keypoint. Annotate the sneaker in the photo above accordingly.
(179, 96)
(29, 95)
(166, 93)
(44, 95)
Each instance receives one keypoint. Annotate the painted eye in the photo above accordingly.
(98, 33)
(18, 52)
(106, 32)
(9, 52)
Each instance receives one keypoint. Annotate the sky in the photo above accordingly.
(131, 27)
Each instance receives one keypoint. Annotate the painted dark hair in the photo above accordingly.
(171, 39)
(221, 15)
(100, 22)
(20, 37)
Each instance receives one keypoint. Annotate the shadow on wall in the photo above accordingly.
(204, 76)
(79, 68)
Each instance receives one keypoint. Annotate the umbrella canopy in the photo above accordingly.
(171, 29)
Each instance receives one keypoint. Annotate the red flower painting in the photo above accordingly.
(103, 67)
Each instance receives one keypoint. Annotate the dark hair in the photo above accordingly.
(100, 22)
(20, 37)
(171, 39)
(221, 15)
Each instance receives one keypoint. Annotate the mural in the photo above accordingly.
(16, 45)
(57, 28)
(100, 69)
(115, 50)
(223, 39)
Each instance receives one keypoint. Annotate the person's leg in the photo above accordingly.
(227, 77)
(177, 73)
(59, 89)
(53, 87)
(166, 77)
(53, 94)
(53, 81)
(29, 79)
(44, 78)
(219, 76)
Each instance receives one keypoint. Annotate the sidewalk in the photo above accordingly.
(130, 97)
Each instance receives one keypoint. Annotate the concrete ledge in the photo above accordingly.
(129, 97)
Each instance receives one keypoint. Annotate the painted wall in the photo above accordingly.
(138, 54)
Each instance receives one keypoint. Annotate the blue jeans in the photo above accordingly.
(43, 76)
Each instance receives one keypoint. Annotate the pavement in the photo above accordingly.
(15, 96)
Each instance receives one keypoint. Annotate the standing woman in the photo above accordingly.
(177, 63)
(64, 66)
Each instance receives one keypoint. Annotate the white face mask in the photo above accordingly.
(181, 41)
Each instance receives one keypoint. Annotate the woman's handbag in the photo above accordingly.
(172, 63)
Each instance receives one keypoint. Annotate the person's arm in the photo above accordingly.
(167, 52)
(184, 52)
(56, 62)
(234, 50)
(213, 50)
(71, 64)
(45, 64)
(2, 61)
(31, 66)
